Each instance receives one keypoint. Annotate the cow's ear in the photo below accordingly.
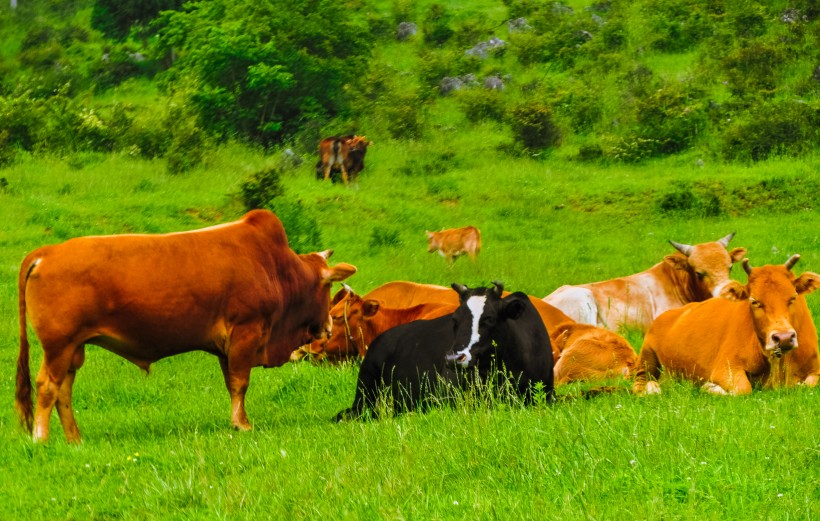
(737, 254)
(370, 307)
(429, 234)
(678, 262)
(807, 283)
(734, 290)
(560, 340)
(338, 272)
(513, 309)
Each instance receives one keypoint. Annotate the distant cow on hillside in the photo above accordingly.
(454, 242)
(343, 154)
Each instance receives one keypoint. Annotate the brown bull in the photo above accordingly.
(694, 274)
(590, 353)
(761, 333)
(342, 153)
(235, 290)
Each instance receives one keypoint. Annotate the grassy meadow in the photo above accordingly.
(161, 447)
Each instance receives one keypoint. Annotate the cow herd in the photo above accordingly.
(239, 292)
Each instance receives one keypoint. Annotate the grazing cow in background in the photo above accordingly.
(454, 242)
(357, 321)
(759, 333)
(502, 338)
(588, 353)
(694, 274)
(342, 153)
(235, 290)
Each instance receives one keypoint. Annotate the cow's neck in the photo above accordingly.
(680, 285)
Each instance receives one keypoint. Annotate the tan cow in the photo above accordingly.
(694, 274)
(759, 333)
(357, 321)
(454, 242)
(235, 290)
(590, 353)
(342, 153)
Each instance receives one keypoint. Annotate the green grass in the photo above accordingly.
(161, 447)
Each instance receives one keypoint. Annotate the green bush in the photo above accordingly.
(436, 25)
(301, 226)
(683, 200)
(533, 126)
(784, 128)
(752, 69)
(430, 163)
(481, 104)
(404, 116)
(260, 190)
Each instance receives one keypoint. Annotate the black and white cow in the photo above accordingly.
(489, 337)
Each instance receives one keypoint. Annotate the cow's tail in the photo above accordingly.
(337, 144)
(23, 393)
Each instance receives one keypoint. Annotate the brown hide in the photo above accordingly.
(729, 345)
(234, 290)
(357, 321)
(343, 154)
(454, 242)
(694, 274)
(590, 353)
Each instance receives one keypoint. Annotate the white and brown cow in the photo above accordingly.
(693, 274)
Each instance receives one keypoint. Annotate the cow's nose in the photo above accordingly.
(784, 339)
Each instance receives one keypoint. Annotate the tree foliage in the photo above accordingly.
(260, 68)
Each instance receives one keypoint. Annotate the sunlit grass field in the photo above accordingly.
(161, 447)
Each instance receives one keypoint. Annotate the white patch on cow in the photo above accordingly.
(717, 289)
(576, 302)
(476, 306)
(713, 388)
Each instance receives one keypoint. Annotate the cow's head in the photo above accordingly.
(346, 335)
(474, 320)
(708, 265)
(433, 242)
(773, 292)
(318, 348)
(315, 307)
(359, 143)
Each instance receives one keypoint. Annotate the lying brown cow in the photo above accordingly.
(454, 242)
(590, 353)
(235, 290)
(759, 333)
(694, 274)
(344, 154)
(357, 321)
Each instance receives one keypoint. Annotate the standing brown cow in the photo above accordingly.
(234, 290)
(342, 153)
(454, 242)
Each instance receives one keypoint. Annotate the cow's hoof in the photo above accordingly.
(653, 388)
(242, 426)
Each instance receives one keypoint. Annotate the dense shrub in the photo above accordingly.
(533, 126)
(301, 226)
(671, 115)
(430, 163)
(753, 68)
(482, 104)
(786, 128)
(261, 189)
(682, 199)
(404, 115)
(436, 25)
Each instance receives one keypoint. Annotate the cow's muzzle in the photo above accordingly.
(457, 359)
(782, 342)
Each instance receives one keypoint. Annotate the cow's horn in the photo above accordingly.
(725, 241)
(499, 288)
(685, 249)
(460, 288)
(348, 289)
(792, 261)
(746, 267)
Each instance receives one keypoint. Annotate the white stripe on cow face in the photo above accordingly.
(476, 306)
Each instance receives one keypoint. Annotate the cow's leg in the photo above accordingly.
(344, 173)
(53, 372)
(731, 379)
(64, 407)
(236, 369)
(648, 365)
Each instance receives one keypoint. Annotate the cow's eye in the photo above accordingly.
(700, 275)
(791, 300)
(756, 303)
